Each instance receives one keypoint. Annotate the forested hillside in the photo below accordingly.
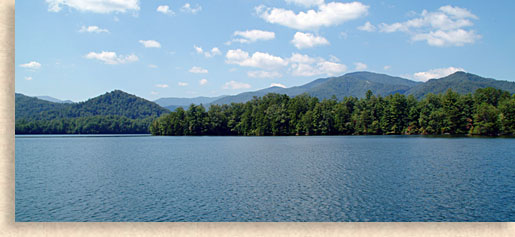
(460, 82)
(488, 111)
(114, 112)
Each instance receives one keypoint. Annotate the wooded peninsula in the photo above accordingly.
(488, 111)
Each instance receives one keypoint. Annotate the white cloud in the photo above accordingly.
(31, 65)
(189, 9)
(208, 54)
(28, 78)
(198, 70)
(263, 74)
(154, 93)
(436, 73)
(303, 65)
(182, 83)
(308, 40)
(93, 29)
(165, 9)
(250, 36)
(258, 59)
(198, 49)
(387, 67)
(150, 43)
(96, 6)
(330, 14)
(444, 27)
(360, 66)
(202, 82)
(234, 85)
(277, 85)
(152, 66)
(112, 58)
(457, 37)
(367, 27)
(306, 3)
(162, 85)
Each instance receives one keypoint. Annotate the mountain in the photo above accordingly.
(358, 83)
(116, 103)
(32, 107)
(351, 84)
(173, 101)
(52, 99)
(460, 82)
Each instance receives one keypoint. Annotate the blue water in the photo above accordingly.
(347, 178)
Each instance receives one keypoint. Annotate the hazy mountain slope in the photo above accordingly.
(358, 83)
(176, 102)
(52, 99)
(460, 82)
(351, 84)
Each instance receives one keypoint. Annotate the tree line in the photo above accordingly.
(488, 111)
(100, 124)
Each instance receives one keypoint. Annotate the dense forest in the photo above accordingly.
(115, 112)
(488, 111)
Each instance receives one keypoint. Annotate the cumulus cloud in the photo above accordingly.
(304, 65)
(202, 82)
(308, 40)
(162, 85)
(367, 27)
(208, 54)
(306, 3)
(444, 27)
(277, 85)
(182, 83)
(28, 78)
(165, 9)
(189, 9)
(150, 43)
(250, 36)
(328, 14)
(96, 6)
(154, 93)
(263, 74)
(152, 66)
(387, 67)
(258, 59)
(31, 65)
(92, 29)
(234, 85)
(112, 58)
(360, 66)
(436, 73)
(198, 70)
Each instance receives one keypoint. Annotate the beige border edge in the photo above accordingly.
(10, 228)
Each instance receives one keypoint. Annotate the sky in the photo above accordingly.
(79, 49)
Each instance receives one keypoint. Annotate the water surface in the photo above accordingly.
(340, 178)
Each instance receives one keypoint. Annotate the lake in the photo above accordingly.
(197, 179)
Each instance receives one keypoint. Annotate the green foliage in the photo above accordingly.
(116, 112)
(488, 112)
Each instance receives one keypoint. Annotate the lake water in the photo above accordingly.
(342, 178)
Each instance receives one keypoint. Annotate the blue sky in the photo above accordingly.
(71, 49)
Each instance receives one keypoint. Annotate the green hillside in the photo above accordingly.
(460, 82)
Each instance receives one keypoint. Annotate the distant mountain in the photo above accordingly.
(52, 99)
(173, 101)
(358, 83)
(460, 82)
(116, 103)
(351, 84)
